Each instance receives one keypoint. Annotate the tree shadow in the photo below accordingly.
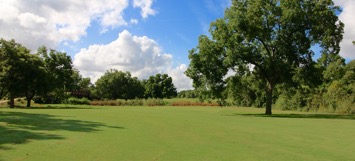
(309, 116)
(55, 107)
(16, 136)
(20, 127)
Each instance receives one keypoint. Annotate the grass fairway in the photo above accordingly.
(172, 133)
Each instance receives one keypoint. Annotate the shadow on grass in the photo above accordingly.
(20, 128)
(311, 116)
(59, 106)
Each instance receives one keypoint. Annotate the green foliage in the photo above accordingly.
(159, 86)
(245, 90)
(187, 94)
(13, 58)
(334, 69)
(116, 84)
(46, 75)
(81, 87)
(207, 68)
(294, 99)
(274, 36)
(336, 94)
(77, 101)
(193, 103)
(49, 77)
(59, 78)
(155, 102)
(21, 73)
(132, 102)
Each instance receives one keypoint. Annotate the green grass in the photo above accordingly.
(85, 133)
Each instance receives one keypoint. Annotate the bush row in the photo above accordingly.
(192, 103)
(135, 102)
(150, 102)
(77, 101)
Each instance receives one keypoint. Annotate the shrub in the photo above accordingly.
(155, 102)
(192, 103)
(78, 101)
(151, 102)
(135, 102)
(118, 102)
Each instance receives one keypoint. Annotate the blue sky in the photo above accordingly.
(144, 37)
(175, 27)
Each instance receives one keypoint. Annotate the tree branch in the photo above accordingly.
(265, 46)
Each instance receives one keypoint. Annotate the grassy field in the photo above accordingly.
(85, 133)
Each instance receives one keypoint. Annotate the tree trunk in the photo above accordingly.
(12, 102)
(29, 98)
(269, 90)
(28, 102)
(2, 92)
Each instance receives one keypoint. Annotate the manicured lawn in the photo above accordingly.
(172, 133)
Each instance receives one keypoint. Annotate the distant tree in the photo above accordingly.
(275, 36)
(335, 68)
(340, 94)
(81, 87)
(187, 94)
(160, 86)
(116, 84)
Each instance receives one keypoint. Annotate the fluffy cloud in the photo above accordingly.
(347, 17)
(180, 80)
(141, 56)
(146, 7)
(52, 22)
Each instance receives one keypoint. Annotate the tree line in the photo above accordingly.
(48, 76)
(116, 84)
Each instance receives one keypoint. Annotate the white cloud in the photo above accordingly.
(180, 80)
(141, 56)
(51, 22)
(30, 21)
(145, 6)
(134, 21)
(347, 16)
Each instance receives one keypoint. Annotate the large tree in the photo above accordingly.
(81, 86)
(13, 63)
(21, 73)
(275, 36)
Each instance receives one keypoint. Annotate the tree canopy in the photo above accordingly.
(116, 84)
(275, 36)
(24, 74)
(160, 86)
(13, 61)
